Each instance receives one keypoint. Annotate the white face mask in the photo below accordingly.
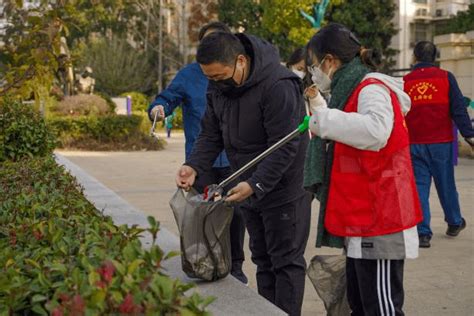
(299, 73)
(320, 79)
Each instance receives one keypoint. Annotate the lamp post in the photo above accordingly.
(160, 48)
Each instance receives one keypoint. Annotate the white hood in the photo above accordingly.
(396, 85)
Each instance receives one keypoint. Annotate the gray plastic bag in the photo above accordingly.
(328, 275)
(204, 231)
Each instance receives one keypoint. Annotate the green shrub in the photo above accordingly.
(82, 104)
(110, 132)
(178, 118)
(60, 256)
(118, 66)
(140, 102)
(23, 132)
(108, 99)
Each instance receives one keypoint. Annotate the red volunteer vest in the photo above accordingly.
(373, 193)
(429, 120)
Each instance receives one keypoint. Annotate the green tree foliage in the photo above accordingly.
(242, 14)
(280, 22)
(463, 22)
(127, 70)
(287, 28)
(100, 17)
(371, 20)
(135, 20)
(29, 58)
(30, 50)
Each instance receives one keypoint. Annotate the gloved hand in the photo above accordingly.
(160, 110)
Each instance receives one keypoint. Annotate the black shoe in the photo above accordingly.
(240, 275)
(425, 241)
(454, 230)
(236, 272)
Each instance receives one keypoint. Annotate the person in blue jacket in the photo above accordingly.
(189, 89)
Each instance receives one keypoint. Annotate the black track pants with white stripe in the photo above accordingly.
(375, 287)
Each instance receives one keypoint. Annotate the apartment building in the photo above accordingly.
(418, 20)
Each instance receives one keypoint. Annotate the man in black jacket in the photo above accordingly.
(253, 102)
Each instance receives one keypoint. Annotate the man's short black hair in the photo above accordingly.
(219, 47)
(215, 26)
(425, 51)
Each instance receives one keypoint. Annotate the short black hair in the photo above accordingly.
(219, 47)
(215, 26)
(425, 51)
(297, 56)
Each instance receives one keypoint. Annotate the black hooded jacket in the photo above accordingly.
(251, 118)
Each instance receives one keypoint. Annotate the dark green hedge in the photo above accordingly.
(60, 256)
(23, 132)
(110, 132)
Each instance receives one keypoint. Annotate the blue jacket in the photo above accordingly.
(188, 88)
(457, 104)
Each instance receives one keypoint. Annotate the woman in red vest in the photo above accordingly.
(369, 194)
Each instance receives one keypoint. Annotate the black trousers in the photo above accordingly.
(237, 226)
(375, 287)
(278, 239)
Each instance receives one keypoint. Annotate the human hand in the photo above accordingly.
(160, 110)
(239, 193)
(311, 92)
(186, 177)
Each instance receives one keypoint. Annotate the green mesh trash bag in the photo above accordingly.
(328, 275)
(204, 232)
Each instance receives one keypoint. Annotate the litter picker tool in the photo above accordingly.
(217, 189)
(152, 130)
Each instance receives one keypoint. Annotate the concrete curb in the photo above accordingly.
(233, 298)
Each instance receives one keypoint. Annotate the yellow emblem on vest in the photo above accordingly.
(422, 91)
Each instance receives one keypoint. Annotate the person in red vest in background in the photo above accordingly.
(436, 103)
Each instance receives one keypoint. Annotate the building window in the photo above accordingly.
(420, 1)
(439, 12)
(421, 12)
(419, 32)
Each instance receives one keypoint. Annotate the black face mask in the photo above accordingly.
(228, 84)
(225, 85)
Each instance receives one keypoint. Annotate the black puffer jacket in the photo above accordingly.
(251, 118)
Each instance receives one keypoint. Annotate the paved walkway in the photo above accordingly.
(440, 282)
